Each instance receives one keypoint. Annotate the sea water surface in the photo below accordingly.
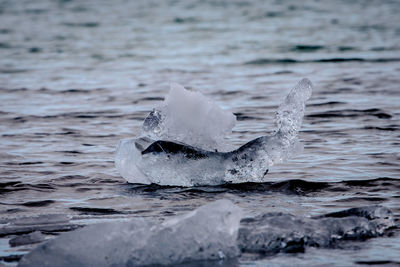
(78, 76)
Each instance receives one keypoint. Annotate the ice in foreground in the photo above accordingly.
(186, 151)
(207, 233)
(213, 234)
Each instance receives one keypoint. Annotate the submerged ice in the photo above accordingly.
(182, 141)
(276, 232)
(210, 234)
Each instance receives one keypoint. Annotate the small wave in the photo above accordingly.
(266, 61)
(351, 113)
(307, 48)
(74, 115)
(36, 11)
(373, 182)
(346, 48)
(380, 263)
(95, 211)
(73, 91)
(5, 46)
(5, 31)
(389, 128)
(296, 186)
(12, 71)
(13, 186)
(85, 24)
(330, 103)
(180, 20)
(148, 99)
(34, 50)
(362, 199)
(41, 203)
(289, 187)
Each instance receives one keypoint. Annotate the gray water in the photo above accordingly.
(78, 76)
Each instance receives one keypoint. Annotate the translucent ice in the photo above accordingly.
(207, 233)
(172, 161)
(191, 118)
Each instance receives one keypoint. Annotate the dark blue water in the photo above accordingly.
(78, 76)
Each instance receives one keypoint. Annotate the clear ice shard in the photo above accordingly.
(207, 233)
(179, 142)
(191, 118)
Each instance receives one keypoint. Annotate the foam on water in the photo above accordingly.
(174, 163)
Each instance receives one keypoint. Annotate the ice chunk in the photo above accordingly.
(278, 232)
(191, 118)
(207, 233)
(144, 160)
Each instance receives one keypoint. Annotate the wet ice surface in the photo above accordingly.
(186, 154)
(208, 233)
(60, 120)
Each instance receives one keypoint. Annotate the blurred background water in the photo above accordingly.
(78, 76)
